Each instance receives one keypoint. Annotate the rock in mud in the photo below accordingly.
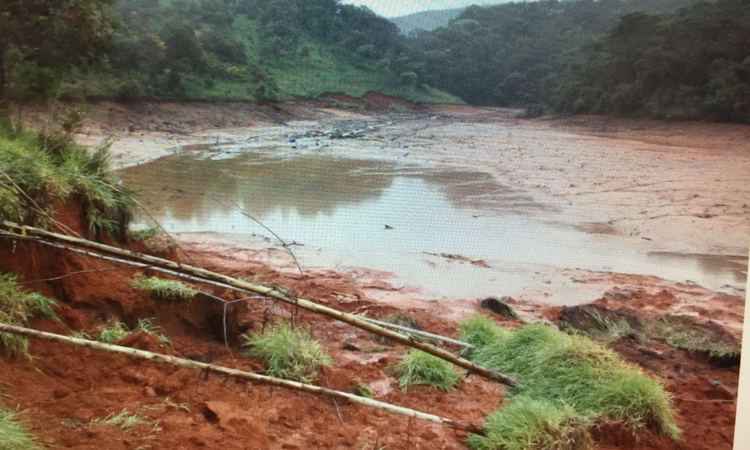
(500, 307)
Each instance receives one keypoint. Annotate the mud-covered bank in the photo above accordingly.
(66, 395)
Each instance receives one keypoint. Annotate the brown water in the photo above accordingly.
(339, 209)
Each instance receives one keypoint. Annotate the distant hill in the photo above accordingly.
(250, 50)
(426, 20)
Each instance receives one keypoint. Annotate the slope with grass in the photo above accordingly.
(19, 307)
(39, 171)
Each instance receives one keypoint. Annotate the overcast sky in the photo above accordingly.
(394, 8)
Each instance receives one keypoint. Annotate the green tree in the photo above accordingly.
(51, 35)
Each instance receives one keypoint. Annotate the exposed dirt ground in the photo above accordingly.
(678, 187)
(65, 393)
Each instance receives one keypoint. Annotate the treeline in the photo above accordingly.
(695, 63)
(664, 58)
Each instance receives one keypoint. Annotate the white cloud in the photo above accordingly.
(394, 8)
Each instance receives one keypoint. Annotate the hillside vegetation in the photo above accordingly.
(257, 50)
(663, 58)
(659, 58)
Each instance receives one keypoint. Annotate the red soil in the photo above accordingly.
(64, 392)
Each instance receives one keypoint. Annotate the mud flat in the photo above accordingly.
(541, 204)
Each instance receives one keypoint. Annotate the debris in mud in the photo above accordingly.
(500, 307)
(453, 257)
(708, 340)
(348, 130)
(600, 322)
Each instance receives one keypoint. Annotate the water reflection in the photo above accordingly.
(190, 187)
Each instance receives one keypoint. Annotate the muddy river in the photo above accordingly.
(448, 233)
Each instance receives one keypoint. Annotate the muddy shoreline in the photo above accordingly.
(601, 176)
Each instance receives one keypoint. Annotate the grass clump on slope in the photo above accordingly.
(18, 307)
(480, 331)
(13, 436)
(164, 289)
(418, 367)
(39, 169)
(291, 353)
(527, 423)
(567, 384)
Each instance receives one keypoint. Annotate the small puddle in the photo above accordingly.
(366, 213)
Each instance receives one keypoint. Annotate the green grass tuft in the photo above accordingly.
(117, 331)
(480, 330)
(164, 289)
(528, 424)
(114, 332)
(144, 234)
(418, 367)
(575, 372)
(13, 436)
(18, 307)
(149, 327)
(364, 390)
(290, 353)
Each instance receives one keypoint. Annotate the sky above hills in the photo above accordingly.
(395, 8)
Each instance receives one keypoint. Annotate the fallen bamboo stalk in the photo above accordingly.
(268, 291)
(413, 331)
(420, 333)
(191, 364)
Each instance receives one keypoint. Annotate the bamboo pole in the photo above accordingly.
(264, 379)
(268, 291)
(420, 333)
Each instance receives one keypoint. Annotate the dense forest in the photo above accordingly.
(662, 58)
